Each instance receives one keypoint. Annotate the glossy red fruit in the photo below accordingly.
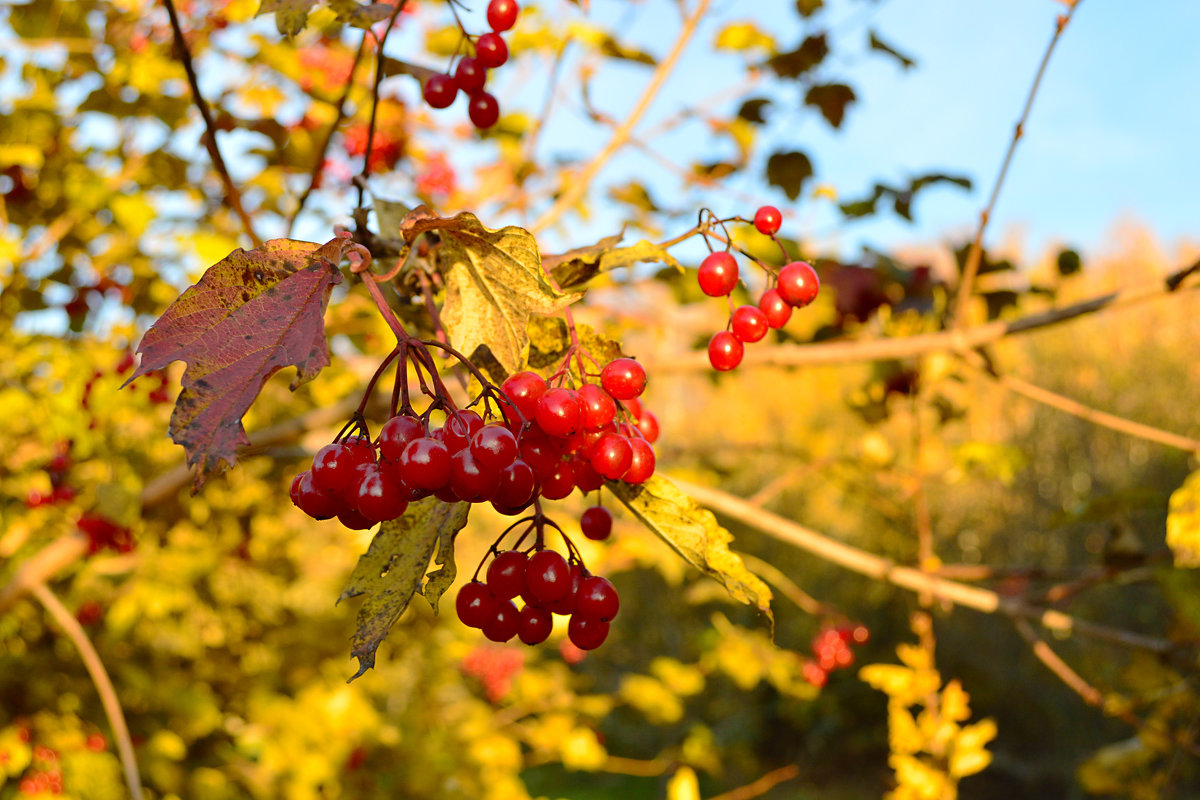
(623, 378)
(541, 453)
(308, 498)
(596, 523)
(749, 324)
(586, 633)
(470, 75)
(598, 406)
(502, 14)
(506, 574)
(798, 284)
(559, 412)
(378, 498)
(775, 308)
(559, 483)
(395, 435)
(440, 90)
(494, 447)
(767, 220)
(641, 467)
(547, 577)
(535, 625)
(524, 389)
(334, 466)
(611, 456)
(647, 423)
(425, 464)
(491, 51)
(724, 351)
(474, 604)
(469, 480)
(483, 110)
(503, 623)
(459, 428)
(633, 406)
(718, 274)
(585, 476)
(354, 520)
(597, 598)
(566, 605)
(516, 486)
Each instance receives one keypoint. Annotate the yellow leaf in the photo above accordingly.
(683, 785)
(744, 36)
(650, 696)
(920, 779)
(955, 702)
(1183, 522)
(978, 735)
(890, 679)
(904, 737)
(916, 657)
(582, 750)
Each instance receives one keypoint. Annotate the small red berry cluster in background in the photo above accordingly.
(56, 468)
(495, 668)
(470, 74)
(546, 584)
(833, 650)
(795, 286)
(103, 533)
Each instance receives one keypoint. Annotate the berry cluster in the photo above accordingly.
(833, 649)
(546, 584)
(795, 286)
(470, 74)
(56, 469)
(495, 668)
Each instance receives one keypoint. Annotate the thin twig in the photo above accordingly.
(883, 569)
(232, 195)
(775, 576)
(961, 341)
(104, 687)
(760, 786)
(580, 182)
(975, 255)
(379, 74)
(43, 565)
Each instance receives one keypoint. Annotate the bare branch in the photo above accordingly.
(761, 785)
(43, 565)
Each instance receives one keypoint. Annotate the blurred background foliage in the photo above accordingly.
(215, 614)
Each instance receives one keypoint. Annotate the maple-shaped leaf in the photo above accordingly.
(251, 314)
(494, 283)
(390, 572)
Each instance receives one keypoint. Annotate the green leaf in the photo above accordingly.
(576, 267)
(793, 64)
(693, 532)
(290, 15)
(789, 171)
(1183, 522)
(832, 99)
(390, 572)
(740, 36)
(878, 44)
(361, 15)
(494, 283)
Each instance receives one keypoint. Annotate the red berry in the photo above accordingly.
(353, 519)
(647, 423)
(494, 447)
(334, 466)
(379, 499)
(506, 574)
(767, 220)
(567, 604)
(483, 110)
(775, 308)
(586, 633)
(724, 351)
(502, 14)
(861, 634)
(597, 598)
(547, 577)
(611, 456)
(814, 674)
(459, 428)
(559, 483)
(585, 475)
(749, 324)
(504, 622)
(541, 453)
(474, 604)
(470, 75)
(559, 412)
(596, 523)
(535, 625)
(395, 435)
(623, 378)
(308, 498)
(470, 480)
(798, 284)
(598, 406)
(425, 464)
(641, 467)
(633, 406)
(516, 487)
(524, 389)
(491, 51)
(718, 274)
(440, 91)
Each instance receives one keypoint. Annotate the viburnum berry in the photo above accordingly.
(524, 389)
(647, 423)
(503, 623)
(798, 284)
(623, 378)
(724, 351)
(425, 463)
(470, 480)
(483, 110)
(559, 412)
(506, 574)
(559, 483)
(494, 447)
(584, 474)
(440, 90)
(597, 598)
(516, 486)
(353, 519)
(718, 274)
(775, 308)
(641, 466)
(611, 455)
(502, 14)
(597, 405)
(377, 498)
(460, 427)
(567, 604)
(586, 633)
(491, 51)
(312, 501)
(749, 324)
(767, 220)
(334, 466)
(474, 604)
(535, 625)
(470, 75)
(596, 523)
(395, 435)
(547, 577)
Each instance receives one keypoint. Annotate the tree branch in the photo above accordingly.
(232, 195)
(975, 254)
(104, 687)
(579, 183)
(43, 565)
